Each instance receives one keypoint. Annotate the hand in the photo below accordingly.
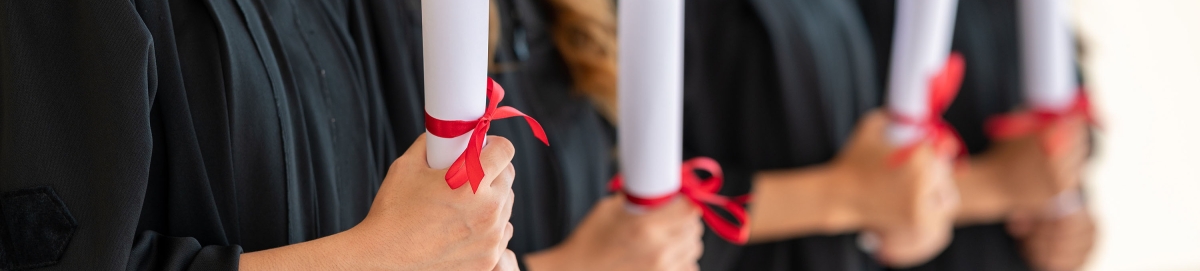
(908, 210)
(1029, 173)
(418, 223)
(612, 238)
(508, 262)
(1054, 244)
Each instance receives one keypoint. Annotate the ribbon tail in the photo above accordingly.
(505, 112)
(742, 200)
(474, 167)
(735, 233)
(537, 129)
(944, 86)
(456, 174)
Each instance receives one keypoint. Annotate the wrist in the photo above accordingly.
(985, 196)
(846, 211)
(549, 259)
(797, 202)
(327, 253)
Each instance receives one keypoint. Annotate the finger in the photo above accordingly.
(887, 246)
(508, 234)
(948, 199)
(506, 211)
(508, 262)
(919, 250)
(505, 178)
(496, 155)
(691, 267)
(685, 254)
(911, 248)
(687, 229)
(686, 267)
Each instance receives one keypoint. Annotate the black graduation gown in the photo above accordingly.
(556, 186)
(178, 134)
(986, 34)
(773, 85)
(728, 114)
(245, 125)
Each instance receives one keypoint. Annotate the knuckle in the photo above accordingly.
(635, 233)
(696, 229)
(460, 231)
(481, 223)
(503, 146)
(397, 163)
(660, 261)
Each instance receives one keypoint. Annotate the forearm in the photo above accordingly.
(548, 259)
(327, 253)
(799, 202)
(983, 198)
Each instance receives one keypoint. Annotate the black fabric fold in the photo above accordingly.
(774, 85)
(160, 252)
(204, 128)
(986, 35)
(76, 84)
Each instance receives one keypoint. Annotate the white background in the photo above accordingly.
(1142, 58)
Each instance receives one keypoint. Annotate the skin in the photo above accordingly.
(1016, 181)
(907, 210)
(1054, 243)
(1021, 174)
(417, 223)
(612, 237)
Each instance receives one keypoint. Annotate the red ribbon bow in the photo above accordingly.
(942, 90)
(1024, 123)
(703, 194)
(467, 167)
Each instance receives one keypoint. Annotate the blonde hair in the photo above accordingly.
(585, 33)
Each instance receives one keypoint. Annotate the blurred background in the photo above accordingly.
(1142, 59)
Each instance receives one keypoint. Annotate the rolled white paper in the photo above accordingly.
(920, 47)
(650, 95)
(1048, 55)
(455, 42)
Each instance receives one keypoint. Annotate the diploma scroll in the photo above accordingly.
(919, 51)
(460, 104)
(1047, 54)
(650, 96)
(455, 43)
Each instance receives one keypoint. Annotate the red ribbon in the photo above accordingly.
(703, 194)
(1020, 124)
(467, 167)
(942, 90)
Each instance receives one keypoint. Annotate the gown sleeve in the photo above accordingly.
(77, 83)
